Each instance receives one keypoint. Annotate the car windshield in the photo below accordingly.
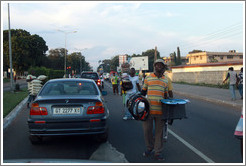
(69, 88)
(89, 75)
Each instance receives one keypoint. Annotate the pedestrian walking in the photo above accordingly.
(34, 85)
(102, 80)
(15, 78)
(143, 77)
(29, 80)
(232, 75)
(114, 81)
(240, 83)
(155, 86)
(135, 88)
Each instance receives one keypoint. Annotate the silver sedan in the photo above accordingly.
(68, 107)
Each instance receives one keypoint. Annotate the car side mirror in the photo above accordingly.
(104, 93)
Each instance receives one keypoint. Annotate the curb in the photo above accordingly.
(12, 115)
(216, 101)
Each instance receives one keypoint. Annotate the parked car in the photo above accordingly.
(68, 107)
(94, 76)
(239, 132)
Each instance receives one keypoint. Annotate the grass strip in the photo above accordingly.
(12, 99)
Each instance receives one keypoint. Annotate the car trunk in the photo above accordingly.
(66, 113)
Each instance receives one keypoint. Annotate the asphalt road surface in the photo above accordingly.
(206, 136)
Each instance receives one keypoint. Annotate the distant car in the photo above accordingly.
(77, 76)
(94, 76)
(68, 107)
(239, 131)
(106, 76)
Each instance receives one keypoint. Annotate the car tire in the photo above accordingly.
(35, 140)
(102, 137)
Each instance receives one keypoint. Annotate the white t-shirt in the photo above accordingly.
(233, 77)
(134, 81)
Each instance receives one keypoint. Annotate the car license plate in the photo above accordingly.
(66, 111)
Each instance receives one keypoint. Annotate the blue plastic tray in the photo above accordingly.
(173, 101)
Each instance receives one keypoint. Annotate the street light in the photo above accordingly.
(80, 65)
(65, 63)
(10, 52)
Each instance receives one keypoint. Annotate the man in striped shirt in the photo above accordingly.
(156, 88)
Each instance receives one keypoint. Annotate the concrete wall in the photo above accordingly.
(202, 74)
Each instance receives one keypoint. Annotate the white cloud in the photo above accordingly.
(111, 28)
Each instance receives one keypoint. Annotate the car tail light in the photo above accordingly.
(40, 122)
(95, 120)
(98, 82)
(97, 109)
(36, 110)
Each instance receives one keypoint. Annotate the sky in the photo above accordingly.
(106, 29)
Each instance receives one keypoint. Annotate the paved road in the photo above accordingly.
(206, 136)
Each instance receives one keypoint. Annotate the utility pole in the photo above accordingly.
(65, 60)
(155, 54)
(10, 53)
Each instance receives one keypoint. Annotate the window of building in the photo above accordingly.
(221, 57)
(200, 57)
(229, 56)
(241, 57)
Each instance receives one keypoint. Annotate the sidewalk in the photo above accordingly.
(215, 95)
(21, 82)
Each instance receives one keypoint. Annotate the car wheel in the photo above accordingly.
(35, 140)
(102, 137)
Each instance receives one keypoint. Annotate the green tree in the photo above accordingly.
(56, 59)
(195, 51)
(114, 63)
(106, 65)
(75, 60)
(151, 55)
(27, 50)
(178, 57)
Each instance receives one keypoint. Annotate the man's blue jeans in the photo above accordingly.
(127, 113)
(232, 90)
(240, 89)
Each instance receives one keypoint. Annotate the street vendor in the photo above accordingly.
(155, 86)
(34, 84)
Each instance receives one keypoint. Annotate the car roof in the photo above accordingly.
(70, 79)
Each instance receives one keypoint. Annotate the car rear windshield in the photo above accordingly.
(89, 75)
(69, 88)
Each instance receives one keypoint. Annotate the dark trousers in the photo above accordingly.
(154, 142)
(115, 88)
(31, 98)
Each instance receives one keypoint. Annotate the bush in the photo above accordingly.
(47, 72)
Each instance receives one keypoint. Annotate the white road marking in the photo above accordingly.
(199, 153)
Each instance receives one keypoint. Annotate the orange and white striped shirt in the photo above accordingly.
(156, 88)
